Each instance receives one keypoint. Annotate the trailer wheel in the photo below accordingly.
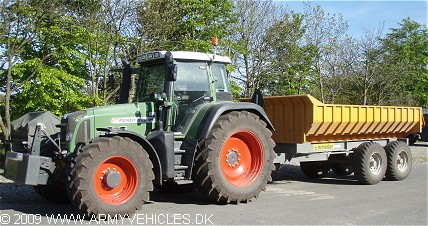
(399, 160)
(369, 163)
(112, 176)
(316, 169)
(235, 162)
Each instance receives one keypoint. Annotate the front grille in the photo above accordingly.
(68, 125)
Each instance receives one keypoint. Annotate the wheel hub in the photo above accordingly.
(111, 178)
(232, 157)
(375, 164)
(402, 161)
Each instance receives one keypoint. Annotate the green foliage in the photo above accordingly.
(51, 89)
(51, 71)
(291, 60)
(184, 24)
(406, 50)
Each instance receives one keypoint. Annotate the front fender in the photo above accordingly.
(148, 147)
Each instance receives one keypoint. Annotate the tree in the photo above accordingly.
(42, 61)
(248, 46)
(20, 23)
(291, 59)
(183, 24)
(363, 63)
(324, 32)
(405, 50)
(111, 28)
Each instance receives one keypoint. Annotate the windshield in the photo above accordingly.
(151, 82)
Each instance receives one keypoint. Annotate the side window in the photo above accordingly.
(151, 82)
(220, 78)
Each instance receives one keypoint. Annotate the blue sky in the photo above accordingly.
(370, 14)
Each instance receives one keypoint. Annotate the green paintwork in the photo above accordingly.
(133, 116)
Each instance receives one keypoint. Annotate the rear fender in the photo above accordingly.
(220, 109)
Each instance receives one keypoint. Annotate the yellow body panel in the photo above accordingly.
(302, 118)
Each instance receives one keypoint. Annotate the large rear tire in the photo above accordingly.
(399, 160)
(111, 176)
(235, 162)
(369, 163)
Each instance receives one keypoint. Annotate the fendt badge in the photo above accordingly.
(132, 120)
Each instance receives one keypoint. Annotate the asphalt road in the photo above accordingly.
(289, 199)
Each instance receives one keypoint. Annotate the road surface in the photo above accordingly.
(289, 199)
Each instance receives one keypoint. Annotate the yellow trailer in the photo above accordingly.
(302, 118)
(365, 140)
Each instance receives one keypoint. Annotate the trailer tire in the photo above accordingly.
(234, 163)
(369, 163)
(399, 160)
(111, 176)
(316, 169)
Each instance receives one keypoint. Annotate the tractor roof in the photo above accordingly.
(183, 55)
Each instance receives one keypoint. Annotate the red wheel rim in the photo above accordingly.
(241, 158)
(116, 180)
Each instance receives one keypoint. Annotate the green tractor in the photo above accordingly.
(181, 128)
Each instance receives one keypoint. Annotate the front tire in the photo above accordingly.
(235, 162)
(112, 176)
(369, 163)
(399, 160)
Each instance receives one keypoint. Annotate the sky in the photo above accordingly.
(366, 14)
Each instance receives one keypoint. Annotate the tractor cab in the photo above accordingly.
(181, 82)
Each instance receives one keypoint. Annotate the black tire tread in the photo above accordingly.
(359, 163)
(203, 172)
(391, 149)
(79, 176)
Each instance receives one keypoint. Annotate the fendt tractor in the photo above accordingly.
(183, 128)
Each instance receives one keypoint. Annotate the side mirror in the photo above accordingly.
(171, 68)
